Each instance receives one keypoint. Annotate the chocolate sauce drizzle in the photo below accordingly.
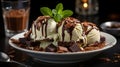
(46, 28)
(69, 25)
(87, 32)
(86, 25)
(35, 31)
(41, 22)
(42, 29)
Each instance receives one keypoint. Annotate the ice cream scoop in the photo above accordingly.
(71, 30)
(92, 32)
(43, 28)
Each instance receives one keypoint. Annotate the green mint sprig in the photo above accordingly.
(58, 13)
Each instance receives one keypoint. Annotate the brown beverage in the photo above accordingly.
(15, 15)
(16, 20)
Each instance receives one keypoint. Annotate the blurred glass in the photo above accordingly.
(86, 7)
(15, 16)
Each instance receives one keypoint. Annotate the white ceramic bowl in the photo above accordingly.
(73, 57)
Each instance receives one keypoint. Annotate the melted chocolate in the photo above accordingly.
(42, 22)
(86, 24)
(46, 28)
(69, 25)
(35, 30)
(42, 29)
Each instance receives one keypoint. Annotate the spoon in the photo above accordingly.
(5, 58)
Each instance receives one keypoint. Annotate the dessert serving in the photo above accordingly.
(56, 31)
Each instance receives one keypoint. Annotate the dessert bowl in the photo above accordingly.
(111, 27)
(69, 57)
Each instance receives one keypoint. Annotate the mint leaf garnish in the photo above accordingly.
(54, 11)
(57, 17)
(58, 13)
(46, 11)
(59, 8)
(67, 13)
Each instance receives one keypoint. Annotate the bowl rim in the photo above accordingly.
(103, 25)
(108, 45)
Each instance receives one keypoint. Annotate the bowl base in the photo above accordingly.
(55, 62)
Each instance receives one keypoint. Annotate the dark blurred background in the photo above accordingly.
(108, 9)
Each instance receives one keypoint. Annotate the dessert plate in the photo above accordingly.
(70, 57)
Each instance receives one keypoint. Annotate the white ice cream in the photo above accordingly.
(46, 29)
(76, 34)
(70, 29)
(92, 33)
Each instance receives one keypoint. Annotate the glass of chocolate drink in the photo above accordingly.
(15, 16)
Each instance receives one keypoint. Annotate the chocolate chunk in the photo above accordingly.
(36, 43)
(65, 44)
(51, 48)
(48, 39)
(28, 43)
(102, 39)
(15, 41)
(22, 40)
(27, 34)
(74, 47)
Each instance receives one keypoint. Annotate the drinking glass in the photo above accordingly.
(15, 16)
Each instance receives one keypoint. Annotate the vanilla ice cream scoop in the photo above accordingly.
(71, 30)
(43, 28)
(92, 32)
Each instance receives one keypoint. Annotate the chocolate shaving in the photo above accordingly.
(22, 40)
(51, 48)
(15, 41)
(26, 35)
(74, 47)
